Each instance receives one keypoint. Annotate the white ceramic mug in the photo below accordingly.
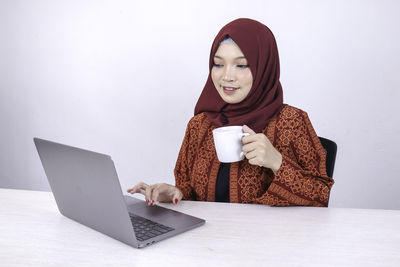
(228, 143)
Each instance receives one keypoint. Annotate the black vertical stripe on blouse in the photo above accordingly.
(222, 186)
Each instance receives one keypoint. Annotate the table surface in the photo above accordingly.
(34, 233)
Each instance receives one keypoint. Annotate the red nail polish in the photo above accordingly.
(176, 201)
(147, 201)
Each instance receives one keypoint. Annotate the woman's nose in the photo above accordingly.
(228, 75)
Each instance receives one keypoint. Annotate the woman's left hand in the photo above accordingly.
(259, 151)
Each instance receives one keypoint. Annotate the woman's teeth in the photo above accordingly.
(230, 90)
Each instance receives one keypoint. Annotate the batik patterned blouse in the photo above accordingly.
(301, 179)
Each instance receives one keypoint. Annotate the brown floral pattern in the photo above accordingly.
(301, 179)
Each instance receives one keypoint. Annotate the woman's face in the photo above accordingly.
(231, 74)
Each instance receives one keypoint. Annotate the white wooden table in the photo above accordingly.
(34, 233)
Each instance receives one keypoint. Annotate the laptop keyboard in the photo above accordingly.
(146, 229)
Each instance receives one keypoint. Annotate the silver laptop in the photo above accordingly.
(86, 188)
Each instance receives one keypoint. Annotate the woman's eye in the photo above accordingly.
(242, 66)
(217, 65)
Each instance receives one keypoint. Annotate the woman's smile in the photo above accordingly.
(230, 90)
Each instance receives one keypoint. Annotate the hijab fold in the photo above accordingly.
(265, 98)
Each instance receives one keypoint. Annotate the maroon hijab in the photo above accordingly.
(265, 98)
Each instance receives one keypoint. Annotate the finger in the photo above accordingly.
(249, 147)
(247, 129)
(163, 192)
(139, 188)
(167, 192)
(177, 196)
(247, 139)
(148, 192)
(251, 155)
(251, 138)
(255, 161)
(154, 195)
(134, 190)
(131, 190)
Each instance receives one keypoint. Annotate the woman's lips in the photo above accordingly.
(229, 90)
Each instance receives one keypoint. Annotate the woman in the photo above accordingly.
(285, 161)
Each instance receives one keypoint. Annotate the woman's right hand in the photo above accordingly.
(157, 192)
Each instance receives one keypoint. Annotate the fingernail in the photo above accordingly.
(176, 201)
(147, 201)
(152, 202)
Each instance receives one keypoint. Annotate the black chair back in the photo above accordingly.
(330, 149)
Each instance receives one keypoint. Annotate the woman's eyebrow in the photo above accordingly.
(241, 57)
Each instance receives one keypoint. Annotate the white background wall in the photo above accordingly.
(122, 78)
